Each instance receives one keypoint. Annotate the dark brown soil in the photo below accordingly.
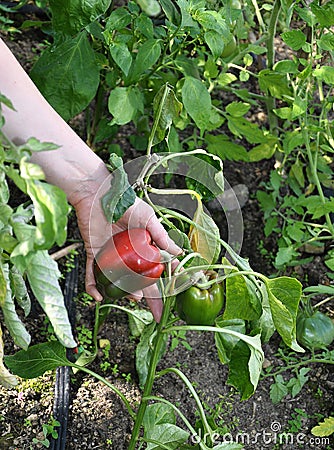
(97, 418)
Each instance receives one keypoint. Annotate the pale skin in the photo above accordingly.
(76, 169)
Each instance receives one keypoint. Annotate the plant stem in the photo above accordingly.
(193, 393)
(314, 172)
(271, 102)
(98, 111)
(299, 364)
(151, 373)
(258, 15)
(166, 91)
(324, 301)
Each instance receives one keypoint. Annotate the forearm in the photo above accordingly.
(74, 166)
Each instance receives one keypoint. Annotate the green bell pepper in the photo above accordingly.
(198, 306)
(314, 329)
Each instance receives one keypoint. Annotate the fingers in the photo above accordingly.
(153, 300)
(161, 238)
(90, 280)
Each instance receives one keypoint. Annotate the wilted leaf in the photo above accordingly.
(284, 295)
(6, 378)
(208, 246)
(14, 324)
(325, 428)
(166, 108)
(43, 276)
(120, 195)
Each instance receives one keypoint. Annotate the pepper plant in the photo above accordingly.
(255, 305)
(205, 49)
(27, 231)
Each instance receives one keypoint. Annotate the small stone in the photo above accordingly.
(314, 249)
(266, 363)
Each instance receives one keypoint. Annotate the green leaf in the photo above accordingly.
(157, 414)
(68, 75)
(119, 18)
(226, 342)
(207, 246)
(37, 360)
(19, 290)
(159, 426)
(166, 108)
(228, 446)
(167, 434)
(124, 104)
(324, 13)
(286, 66)
(278, 390)
(187, 10)
(284, 256)
(6, 378)
(215, 42)
(120, 195)
(213, 20)
(245, 362)
(138, 319)
(170, 11)
(197, 101)
(326, 42)
(241, 127)
(6, 101)
(144, 352)
(221, 146)
(237, 109)
(71, 16)
(296, 384)
(265, 322)
(263, 151)
(51, 210)
(224, 79)
(294, 39)
(274, 83)
(34, 145)
(121, 55)
(239, 370)
(43, 274)
(4, 191)
(12, 321)
(3, 287)
(306, 15)
(145, 26)
(325, 74)
(148, 54)
(241, 303)
(330, 263)
(325, 428)
(284, 294)
(204, 175)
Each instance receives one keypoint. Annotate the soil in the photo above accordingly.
(98, 419)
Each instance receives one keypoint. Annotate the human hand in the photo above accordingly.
(95, 231)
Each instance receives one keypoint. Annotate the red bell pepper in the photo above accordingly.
(128, 262)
